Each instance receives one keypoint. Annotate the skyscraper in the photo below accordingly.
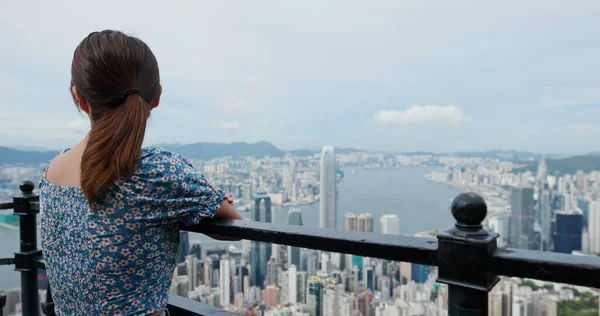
(294, 218)
(594, 227)
(192, 271)
(208, 271)
(196, 249)
(567, 232)
(365, 223)
(545, 213)
(272, 272)
(390, 224)
(184, 245)
(369, 277)
(271, 295)
(521, 234)
(359, 223)
(350, 222)
(363, 302)
(332, 300)
(289, 171)
(260, 252)
(247, 190)
(328, 190)
(301, 282)
(315, 296)
(292, 285)
(225, 281)
(420, 272)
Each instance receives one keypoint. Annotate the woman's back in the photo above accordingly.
(110, 208)
(118, 256)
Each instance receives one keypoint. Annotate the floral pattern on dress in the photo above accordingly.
(118, 257)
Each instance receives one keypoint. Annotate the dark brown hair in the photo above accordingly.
(105, 65)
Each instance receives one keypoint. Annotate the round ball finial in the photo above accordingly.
(26, 187)
(469, 209)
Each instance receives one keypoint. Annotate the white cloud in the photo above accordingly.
(421, 114)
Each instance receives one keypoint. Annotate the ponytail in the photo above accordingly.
(117, 77)
(114, 146)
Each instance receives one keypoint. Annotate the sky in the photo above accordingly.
(384, 75)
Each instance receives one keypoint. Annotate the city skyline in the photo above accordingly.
(258, 276)
(388, 76)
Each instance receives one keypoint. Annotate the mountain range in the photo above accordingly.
(206, 151)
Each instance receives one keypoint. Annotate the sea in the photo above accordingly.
(421, 206)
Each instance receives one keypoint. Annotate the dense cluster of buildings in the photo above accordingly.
(538, 211)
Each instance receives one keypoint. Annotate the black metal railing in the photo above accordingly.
(466, 255)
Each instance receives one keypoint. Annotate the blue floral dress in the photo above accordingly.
(118, 257)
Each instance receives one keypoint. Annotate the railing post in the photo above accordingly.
(464, 253)
(29, 253)
(2, 303)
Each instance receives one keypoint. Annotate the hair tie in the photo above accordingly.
(128, 92)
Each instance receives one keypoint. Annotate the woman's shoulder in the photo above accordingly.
(152, 156)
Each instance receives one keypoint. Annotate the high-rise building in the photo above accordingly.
(196, 249)
(359, 223)
(325, 264)
(271, 296)
(499, 224)
(405, 272)
(390, 224)
(289, 171)
(208, 271)
(567, 231)
(364, 303)
(347, 304)
(328, 189)
(272, 272)
(369, 277)
(594, 227)
(315, 296)
(521, 234)
(332, 298)
(310, 261)
(191, 262)
(350, 222)
(365, 223)
(284, 287)
(301, 286)
(246, 287)
(357, 261)
(292, 285)
(247, 190)
(182, 285)
(294, 218)
(225, 281)
(354, 280)
(420, 272)
(545, 213)
(184, 245)
(260, 253)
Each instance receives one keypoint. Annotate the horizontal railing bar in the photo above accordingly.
(181, 306)
(547, 266)
(6, 206)
(390, 247)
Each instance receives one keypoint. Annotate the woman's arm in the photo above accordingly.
(226, 211)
